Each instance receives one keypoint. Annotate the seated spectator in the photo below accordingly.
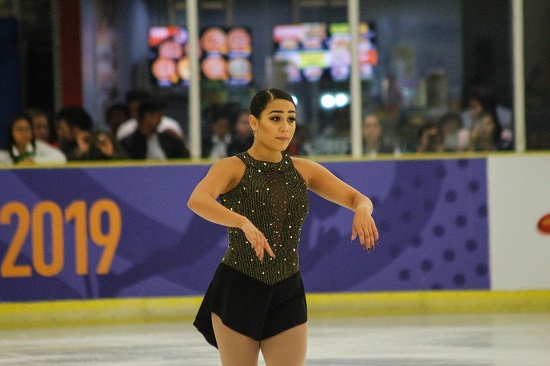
(116, 115)
(102, 145)
(23, 148)
(134, 98)
(74, 126)
(105, 146)
(455, 137)
(242, 134)
(485, 135)
(146, 142)
(430, 138)
(216, 142)
(482, 99)
(373, 138)
(408, 126)
(42, 126)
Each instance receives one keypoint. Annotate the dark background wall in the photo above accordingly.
(488, 46)
(9, 74)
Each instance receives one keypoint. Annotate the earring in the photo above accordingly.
(254, 132)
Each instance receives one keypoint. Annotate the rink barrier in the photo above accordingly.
(112, 311)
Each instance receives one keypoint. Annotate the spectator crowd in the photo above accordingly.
(139, 129)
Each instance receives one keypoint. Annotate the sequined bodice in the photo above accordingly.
(273, 197)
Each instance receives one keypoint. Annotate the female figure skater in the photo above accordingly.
(256, 300)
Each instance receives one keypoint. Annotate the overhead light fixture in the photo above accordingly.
(341, 100)
(328, 101)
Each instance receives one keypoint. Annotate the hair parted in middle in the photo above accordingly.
(264, 96)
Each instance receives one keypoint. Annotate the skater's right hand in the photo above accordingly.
(257, 240)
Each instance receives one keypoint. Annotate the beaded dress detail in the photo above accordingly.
(273, 197)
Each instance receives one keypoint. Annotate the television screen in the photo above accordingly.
(169, 64)
(310, 51)
(303, 50)
(340, 51)
(225, 54)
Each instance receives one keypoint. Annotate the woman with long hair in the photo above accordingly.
(23, 148)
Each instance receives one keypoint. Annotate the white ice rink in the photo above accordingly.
(518, 339)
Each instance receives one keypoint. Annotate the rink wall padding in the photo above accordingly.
(126, 232)
(104, 235)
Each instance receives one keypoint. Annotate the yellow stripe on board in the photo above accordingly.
(68, 312)
(78, 312)
(440, 302)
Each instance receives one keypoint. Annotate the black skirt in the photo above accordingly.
(251, 307)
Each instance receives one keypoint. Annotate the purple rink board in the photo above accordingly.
(103, 231)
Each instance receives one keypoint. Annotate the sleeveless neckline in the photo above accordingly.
(284, 164)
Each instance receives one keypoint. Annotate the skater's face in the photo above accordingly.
(276, 125)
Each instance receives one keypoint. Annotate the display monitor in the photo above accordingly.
(311, 51)
(225, 54)
(169, 63)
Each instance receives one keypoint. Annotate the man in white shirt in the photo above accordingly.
(133, 99)
(146, 142)
(215, 144)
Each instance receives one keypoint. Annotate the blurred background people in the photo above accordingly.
(430, 138)
(42, 126)
(409, 122)
(23, 148)
(116, 115)
(481, 99)
(146, 142)
(485, 134)
(455, 137)
(374, 142)
(218, 136)
(105, 146)
(134, 98)
(242, 134)
(102, 146)
(73, 126)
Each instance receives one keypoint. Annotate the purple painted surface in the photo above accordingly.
(431, 214)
